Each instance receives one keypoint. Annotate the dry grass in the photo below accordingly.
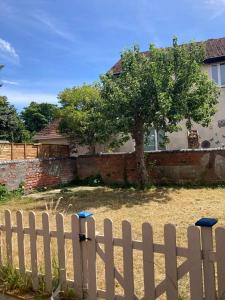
(179, 206)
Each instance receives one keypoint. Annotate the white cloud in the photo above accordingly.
(7, 49)
(9, 82)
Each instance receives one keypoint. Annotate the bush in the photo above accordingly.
(91, 181)
(5, 194)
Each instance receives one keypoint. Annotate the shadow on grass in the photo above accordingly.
(86, 198)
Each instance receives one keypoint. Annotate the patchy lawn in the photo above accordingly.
(180, 206)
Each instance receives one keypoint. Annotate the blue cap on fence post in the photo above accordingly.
(84, 214)
(206, 222)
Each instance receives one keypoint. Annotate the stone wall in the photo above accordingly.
(35, 173)
(180, 167)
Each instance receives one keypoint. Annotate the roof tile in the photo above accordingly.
(215, 48)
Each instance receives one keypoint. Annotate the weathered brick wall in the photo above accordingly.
(188, 166)
(37, 172)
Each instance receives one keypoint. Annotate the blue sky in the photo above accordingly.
(48, 45)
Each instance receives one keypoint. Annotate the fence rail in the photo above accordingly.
(199, 257)
(30, 151)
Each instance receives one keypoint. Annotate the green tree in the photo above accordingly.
(37, 115)
(157, 91)
(81, 115)
(11, 126)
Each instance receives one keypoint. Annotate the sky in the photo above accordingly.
(49, 45)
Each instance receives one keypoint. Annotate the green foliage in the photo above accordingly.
(81, 116)
(11, 126)
(91, 181)
(6, 195)
(37, 115)
(12, 279)
(160, 89)
(157, 91)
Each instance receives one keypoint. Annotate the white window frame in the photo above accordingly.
(218, 73)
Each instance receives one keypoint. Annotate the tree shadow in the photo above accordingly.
(110, 198)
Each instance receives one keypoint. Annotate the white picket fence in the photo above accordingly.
(200, 258)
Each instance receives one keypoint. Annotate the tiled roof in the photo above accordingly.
(215, 49)
(49, 132)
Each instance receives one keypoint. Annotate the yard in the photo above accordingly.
(180, 206)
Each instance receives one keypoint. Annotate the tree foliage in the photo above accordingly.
(157, 91)
(81, 115)
(11, 126)
(38, 115)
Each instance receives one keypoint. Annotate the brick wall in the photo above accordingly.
(188, 166)
(37, 172)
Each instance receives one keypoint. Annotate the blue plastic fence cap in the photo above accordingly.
(84, 214)
(206, 222)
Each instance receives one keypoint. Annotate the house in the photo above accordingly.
(52, 135)
(212, 136)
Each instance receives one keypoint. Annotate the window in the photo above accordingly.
(155, 140)
(222, 74)
(218, 73)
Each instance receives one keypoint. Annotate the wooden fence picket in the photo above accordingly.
(33, 250)
(61, 250)
(220, 259)
(92, 285)
(171, 262)
(208, 265)
(109, 260)
(200, 258)
(8, 236)
(148, 262)
(77, 256)
(128, 261)
(195, 263)
(20, 241)
(47, 252)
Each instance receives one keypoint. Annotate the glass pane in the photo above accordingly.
(222, 72)
(215, 73)
(161, 140)
(150, 141)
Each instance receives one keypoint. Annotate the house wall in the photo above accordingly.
(36, 173)
(213, 133)
(59, 141)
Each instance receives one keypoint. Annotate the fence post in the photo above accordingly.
(25, 150)
(12, 154)
(207, 247)
(83, 218)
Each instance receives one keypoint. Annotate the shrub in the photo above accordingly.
(4, 193)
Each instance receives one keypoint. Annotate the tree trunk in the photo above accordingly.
(139, 152)
(92, 149)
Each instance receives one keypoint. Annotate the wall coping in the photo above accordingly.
(153, 152)
(20, 161)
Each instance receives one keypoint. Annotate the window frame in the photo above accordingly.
(218, 65)
(156, 141)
